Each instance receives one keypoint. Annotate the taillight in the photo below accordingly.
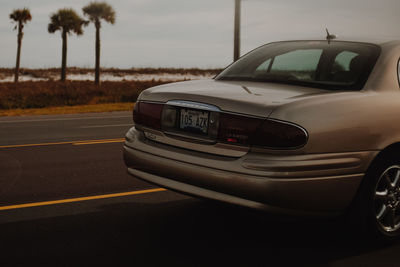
(278, 134)
(236, 129)
(232, 128)
(148, 114)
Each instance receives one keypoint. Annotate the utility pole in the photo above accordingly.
(236, 45)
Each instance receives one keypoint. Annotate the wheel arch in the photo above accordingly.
(385, 154)
(380, 158)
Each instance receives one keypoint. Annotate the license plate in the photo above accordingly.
(195, 121)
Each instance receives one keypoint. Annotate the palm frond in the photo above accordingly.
(21, 15)
(68, 20)
(97, 11)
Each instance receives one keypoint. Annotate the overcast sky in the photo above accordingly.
(189, 33)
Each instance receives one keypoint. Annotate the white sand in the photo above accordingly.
(110, 77)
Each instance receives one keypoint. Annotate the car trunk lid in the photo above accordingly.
(250, 98)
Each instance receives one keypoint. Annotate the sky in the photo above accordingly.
(189, 33)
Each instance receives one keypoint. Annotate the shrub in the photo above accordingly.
(70, 93)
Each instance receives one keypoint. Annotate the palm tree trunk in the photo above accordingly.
(16, 75)
(97, 66)
(64, 56)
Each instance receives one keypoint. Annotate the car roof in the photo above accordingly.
(377, 41)
(381, 41)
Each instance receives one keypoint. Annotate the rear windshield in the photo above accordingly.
(335, 65)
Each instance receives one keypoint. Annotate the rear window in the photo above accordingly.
(335, 65)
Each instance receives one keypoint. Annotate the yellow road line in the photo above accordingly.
(99, 142)
(80, 199)
(83, 142)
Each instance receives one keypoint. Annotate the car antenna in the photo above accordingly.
(329, 36)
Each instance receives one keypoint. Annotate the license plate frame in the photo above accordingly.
(194, 121)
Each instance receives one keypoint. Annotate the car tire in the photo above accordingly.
(376, 208)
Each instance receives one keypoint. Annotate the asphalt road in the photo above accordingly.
(60, 206)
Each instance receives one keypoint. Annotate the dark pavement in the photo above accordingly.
(59, 128)
(148, 229)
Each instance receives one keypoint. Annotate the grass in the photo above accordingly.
(128, 106)
(45, 94)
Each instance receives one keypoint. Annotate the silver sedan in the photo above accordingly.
(297, 127)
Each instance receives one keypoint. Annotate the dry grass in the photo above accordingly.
(69, 109)
(71, 93)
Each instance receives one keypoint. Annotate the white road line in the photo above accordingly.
(66, 119)
(105, 126)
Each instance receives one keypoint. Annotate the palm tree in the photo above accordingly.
(97, 11)
(20, 17)
(67, 21)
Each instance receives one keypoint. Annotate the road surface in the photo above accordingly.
(66, 200)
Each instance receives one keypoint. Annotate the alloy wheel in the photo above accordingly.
(387, 200)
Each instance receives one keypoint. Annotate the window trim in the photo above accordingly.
(398, 72)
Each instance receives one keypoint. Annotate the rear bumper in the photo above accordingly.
(297, 185)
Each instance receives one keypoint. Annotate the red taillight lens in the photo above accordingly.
(277, 134)
(148, 114)
(236, 129)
